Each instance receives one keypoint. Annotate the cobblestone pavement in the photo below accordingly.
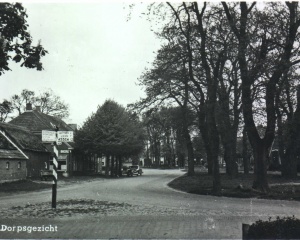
(142, 207)
(86, 218)
(81, 208)
(124, 227)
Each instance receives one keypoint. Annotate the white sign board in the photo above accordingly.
(65, 136)
(48, 136)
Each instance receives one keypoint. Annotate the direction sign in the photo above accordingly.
(65, 136)
(48, 136)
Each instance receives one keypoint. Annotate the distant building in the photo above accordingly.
(22, 154)
(36, 122)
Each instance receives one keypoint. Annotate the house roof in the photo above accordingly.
(11, 154)
(22, 137)
(37, 121)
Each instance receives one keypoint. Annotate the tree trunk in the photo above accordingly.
(191, 170)
(120, 166)
(117, 167)
(245, 153)
(289, 160)
(112, 168)
(280, 138)
(189, 144)
(230, 155)
(204, 135)
(107, 165)
(181, 160)
(157, 153)
(260, 161)
(289, 168)
(228, 131)
(215, 157)
(213, 138)
(209, 163)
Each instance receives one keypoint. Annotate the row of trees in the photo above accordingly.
(236, 70)
(112, 132)
(165, 135)
(47, 101)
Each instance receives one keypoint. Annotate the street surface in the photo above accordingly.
(160, 212)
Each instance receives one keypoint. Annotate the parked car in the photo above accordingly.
(136, 169)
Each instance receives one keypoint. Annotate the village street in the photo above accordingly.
(151, 210)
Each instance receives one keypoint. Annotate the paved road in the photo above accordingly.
(162, 212)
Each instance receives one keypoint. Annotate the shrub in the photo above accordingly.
(287, 228)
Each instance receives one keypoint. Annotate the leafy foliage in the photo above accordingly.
(281, 228)
(5, 110)
(111, 130)
(15, 39)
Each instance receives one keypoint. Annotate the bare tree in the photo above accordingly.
(262, 46)
(52, 104)
(48, 103)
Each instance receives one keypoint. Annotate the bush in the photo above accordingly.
(287, 228)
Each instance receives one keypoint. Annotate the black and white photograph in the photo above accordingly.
(149, 119)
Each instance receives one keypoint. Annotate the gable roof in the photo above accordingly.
(22, 137)
(11, 154)
(37, 121)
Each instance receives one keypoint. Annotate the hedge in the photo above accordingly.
(286, 227)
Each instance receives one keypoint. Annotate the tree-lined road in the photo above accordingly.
(162, 212)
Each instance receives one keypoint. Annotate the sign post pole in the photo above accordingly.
(57, 137)
(55, 167)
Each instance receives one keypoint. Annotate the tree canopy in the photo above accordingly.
(15, 39)
(111, 130)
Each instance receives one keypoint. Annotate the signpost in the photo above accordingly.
(48, 136)
(65, 136)
(57, 137)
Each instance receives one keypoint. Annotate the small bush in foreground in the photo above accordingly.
(287, 228)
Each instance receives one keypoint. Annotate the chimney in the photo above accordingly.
(28, 107)
(38, 108)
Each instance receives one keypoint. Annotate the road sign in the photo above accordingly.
(48, 136)
(57, 137)
(65, 136)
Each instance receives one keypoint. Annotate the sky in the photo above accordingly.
(94, 54)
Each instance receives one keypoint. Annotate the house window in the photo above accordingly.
(19, 165)
(7, 165)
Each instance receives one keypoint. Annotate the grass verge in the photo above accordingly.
(30, 185)
(22, 186)
(239, 187)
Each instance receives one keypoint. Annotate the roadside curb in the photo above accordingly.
(166, 185)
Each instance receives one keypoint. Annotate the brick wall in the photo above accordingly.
(15, 171)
